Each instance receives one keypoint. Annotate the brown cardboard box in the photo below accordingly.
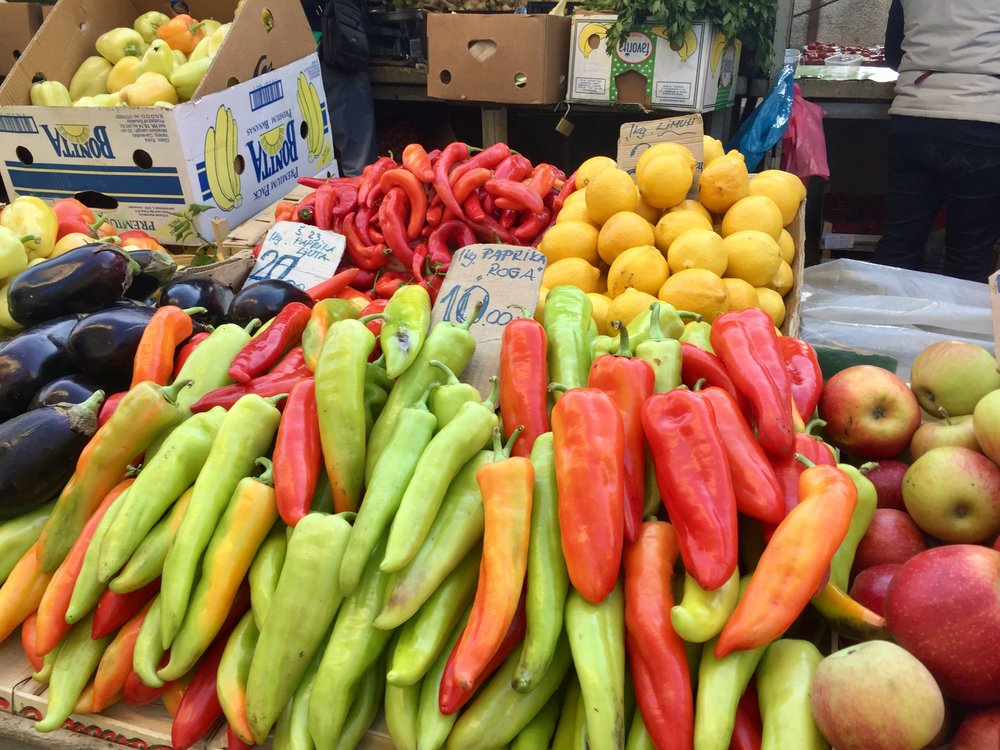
(18, 24)
(506, 58)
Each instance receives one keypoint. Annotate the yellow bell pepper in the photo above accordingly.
(50, 94)
(201, 49)
(179, 57)
(100, 100)
(123, 73)
(148, 23)
(91, 78)
(28, 215)
(148, 89)
(118, 43)
(158, 58)
(13, 256)
(187, 77)
(217, 38)
(69, 242)
(210, 25)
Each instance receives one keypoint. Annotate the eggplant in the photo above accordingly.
(39, 450)
(156, 268)
(83, 280)
(199, 291)
(69, 389)
(263, 300)
(104, 343)
(33, 358)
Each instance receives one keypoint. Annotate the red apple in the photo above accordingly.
(869, 412)
(892, 537)
(870, 585)
(953, 375)
(951, 431)
(979, 729)
(887, 476)
(942, 606)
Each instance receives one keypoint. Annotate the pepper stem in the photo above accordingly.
(491, 401)
(655, 329)
(813, 424)
(467, 323)
(422, 401)
(449, 373)
(804, 461)
(252, 326)
(267, 477)
(521, 309)
(688, 315)
(868, 467)
(170, 391)
(29, 238)
(558, 388)
(275, 400)
(369, 318)
(623, 348)
(506, 451)
(194, 310)
(700, 383)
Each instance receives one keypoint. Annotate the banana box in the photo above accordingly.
(647, 69)
(18, 24)
(256, 123)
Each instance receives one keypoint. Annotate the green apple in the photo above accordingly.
(953, 375)
(986, 424)
(950, 431)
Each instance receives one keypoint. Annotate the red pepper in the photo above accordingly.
(263, 350)
(375, 307)
(416, 160)
(304, 214)
(143, 243)
(747, 343)
(114, 610)
(292, 362)
(451, 696)
(804, 371)
(298, 456)
(434, 215)
(391, 213)
(362, 218)
(324, 206)
(524, 380)
(271, 384)
(522, 196)
(749, 728)
(116, 664)
(199, 708)
(488, 158)
(589, 443)
(235, 743)
(350, 292)
(449, 237)
(529, 229)
(154, 357)
(28, 639)
(365, 257)
(283, 210)
(543, 177)
(788, 470)
(473, 207)
(568, 188)
(698, 364)
(136, 693)
(365, 279)
(370, 177)
(508, 216)
(692, 474)
(415, 194)
(656, 653)
(629, 382)
(388, 283)
(515, 167)
(330, 287)
(758, 493)
(452, 153)
(109, 406)
(74, 216)
(469, 182)
(185, 351)
(489, 229)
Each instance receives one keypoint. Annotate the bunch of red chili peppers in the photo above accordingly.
(403, 221)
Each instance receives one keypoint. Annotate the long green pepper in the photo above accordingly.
(566, 318)
(18, 534)
(265, 570)
(364, 707)
(291, 732)
(208, 365)
(638, 735)
(571, 731)
(377, 387)
(784, 681)
(148, 649)
(538, 733)
(246, 433)
(864, 511)
(447, 398)
(433, 727)
(400, 706)
(146, 563)
(88, 587)
(662, 353)
(700, 615)
(407, 321)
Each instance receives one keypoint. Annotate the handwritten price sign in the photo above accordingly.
(299, 254)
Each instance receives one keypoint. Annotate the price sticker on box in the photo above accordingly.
(299, 254)
(499, 278)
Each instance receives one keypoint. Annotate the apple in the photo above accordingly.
(870, 585)
(887, 476)
(951, 431)
(892, 537)
(979, 729)
(876, 696)
(986, 424)
(953, 494)
(942, 607)
(953, 375)
(869, 412)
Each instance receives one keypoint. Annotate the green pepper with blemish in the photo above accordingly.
(408, 319)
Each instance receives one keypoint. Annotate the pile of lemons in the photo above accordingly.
(627, 242)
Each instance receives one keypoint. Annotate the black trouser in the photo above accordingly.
(935, 162)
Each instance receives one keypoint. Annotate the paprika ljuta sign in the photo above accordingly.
(499, 278)
(299, 254)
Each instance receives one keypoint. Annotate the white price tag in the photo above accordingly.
(299, 254)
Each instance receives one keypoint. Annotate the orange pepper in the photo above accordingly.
(22, 591)
(154, 357)
(28, 642)
(143, 243)
(182, 33)
(116, 664)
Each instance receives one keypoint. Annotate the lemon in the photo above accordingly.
(669, 227)
(783, 279)
(574, 208)
(696, 290)
(741, 295)
(586, 171)
(697, 248)
(646, 211)
(722, 183)
(623, 230)
(787, 246)
(609, 192)
(599, 312)
(753, 212)
(784, 188)
(666, 147)
(573, 271)
(734, 153)
(643, 268)
(712, 150)
(665, 180)
(691, 205)
(628, 305)
(771, 302)
(753, 256)
(570, 239)
(540, 305)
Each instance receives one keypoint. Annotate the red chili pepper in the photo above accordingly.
(749, 728)
(697, 364)
(271, 384)
(508, 216)
(311, 182)
(298, 456)
(452, 153)
(263, 350)
(74, 216)
(199, 708)
(185, 351)
(533, 226)
(28, 636)
(589, 443)
(330, 287)
(747, 343)
(362, 218)
(520, 195)
(692, 474)
(324, 206)
(568, 188)
(350, 292)
(473, 207)
(469, 182)
(283, 211)
(451, 696)
(434, 215)
(391, 219)
(804, 371)
(489, 229)
(375, 232)
(488, 158)
(305, 215)
(449, 237)
(109, 406)
(235, 743)
(370, 176)
(114, 610)
(629, 382)
(136, 693)
(543, 177)
(415, 194)
(656, 653)
(515, 167)
(366, 257)
(293, 361)
(524, 379)
(416, 160)
(388, 283)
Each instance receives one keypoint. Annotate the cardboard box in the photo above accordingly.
(18, 24)
(507, 58)
(239, 144)
(646, 70)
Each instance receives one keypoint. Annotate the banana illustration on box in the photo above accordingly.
(685, 50)
(718, 47)
(312, 115)
(220, 160)
(591, 31)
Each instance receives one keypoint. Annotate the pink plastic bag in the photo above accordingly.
(803, 147)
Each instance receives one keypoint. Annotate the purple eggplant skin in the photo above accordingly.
(83, 280)
(69, 389)
(263, 300)
(39, 450)
(199, 291)
(103, 344)
(33, 358)
(156, 268)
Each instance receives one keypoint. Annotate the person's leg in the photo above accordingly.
(352, 118)
(913, 198)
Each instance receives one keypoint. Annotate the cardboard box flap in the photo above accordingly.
(18, 24)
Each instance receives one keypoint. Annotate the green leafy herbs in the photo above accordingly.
(185, 226)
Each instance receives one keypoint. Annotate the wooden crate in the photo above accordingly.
(793, 315)
(251, 232)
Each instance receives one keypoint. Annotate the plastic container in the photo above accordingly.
(843, 65)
